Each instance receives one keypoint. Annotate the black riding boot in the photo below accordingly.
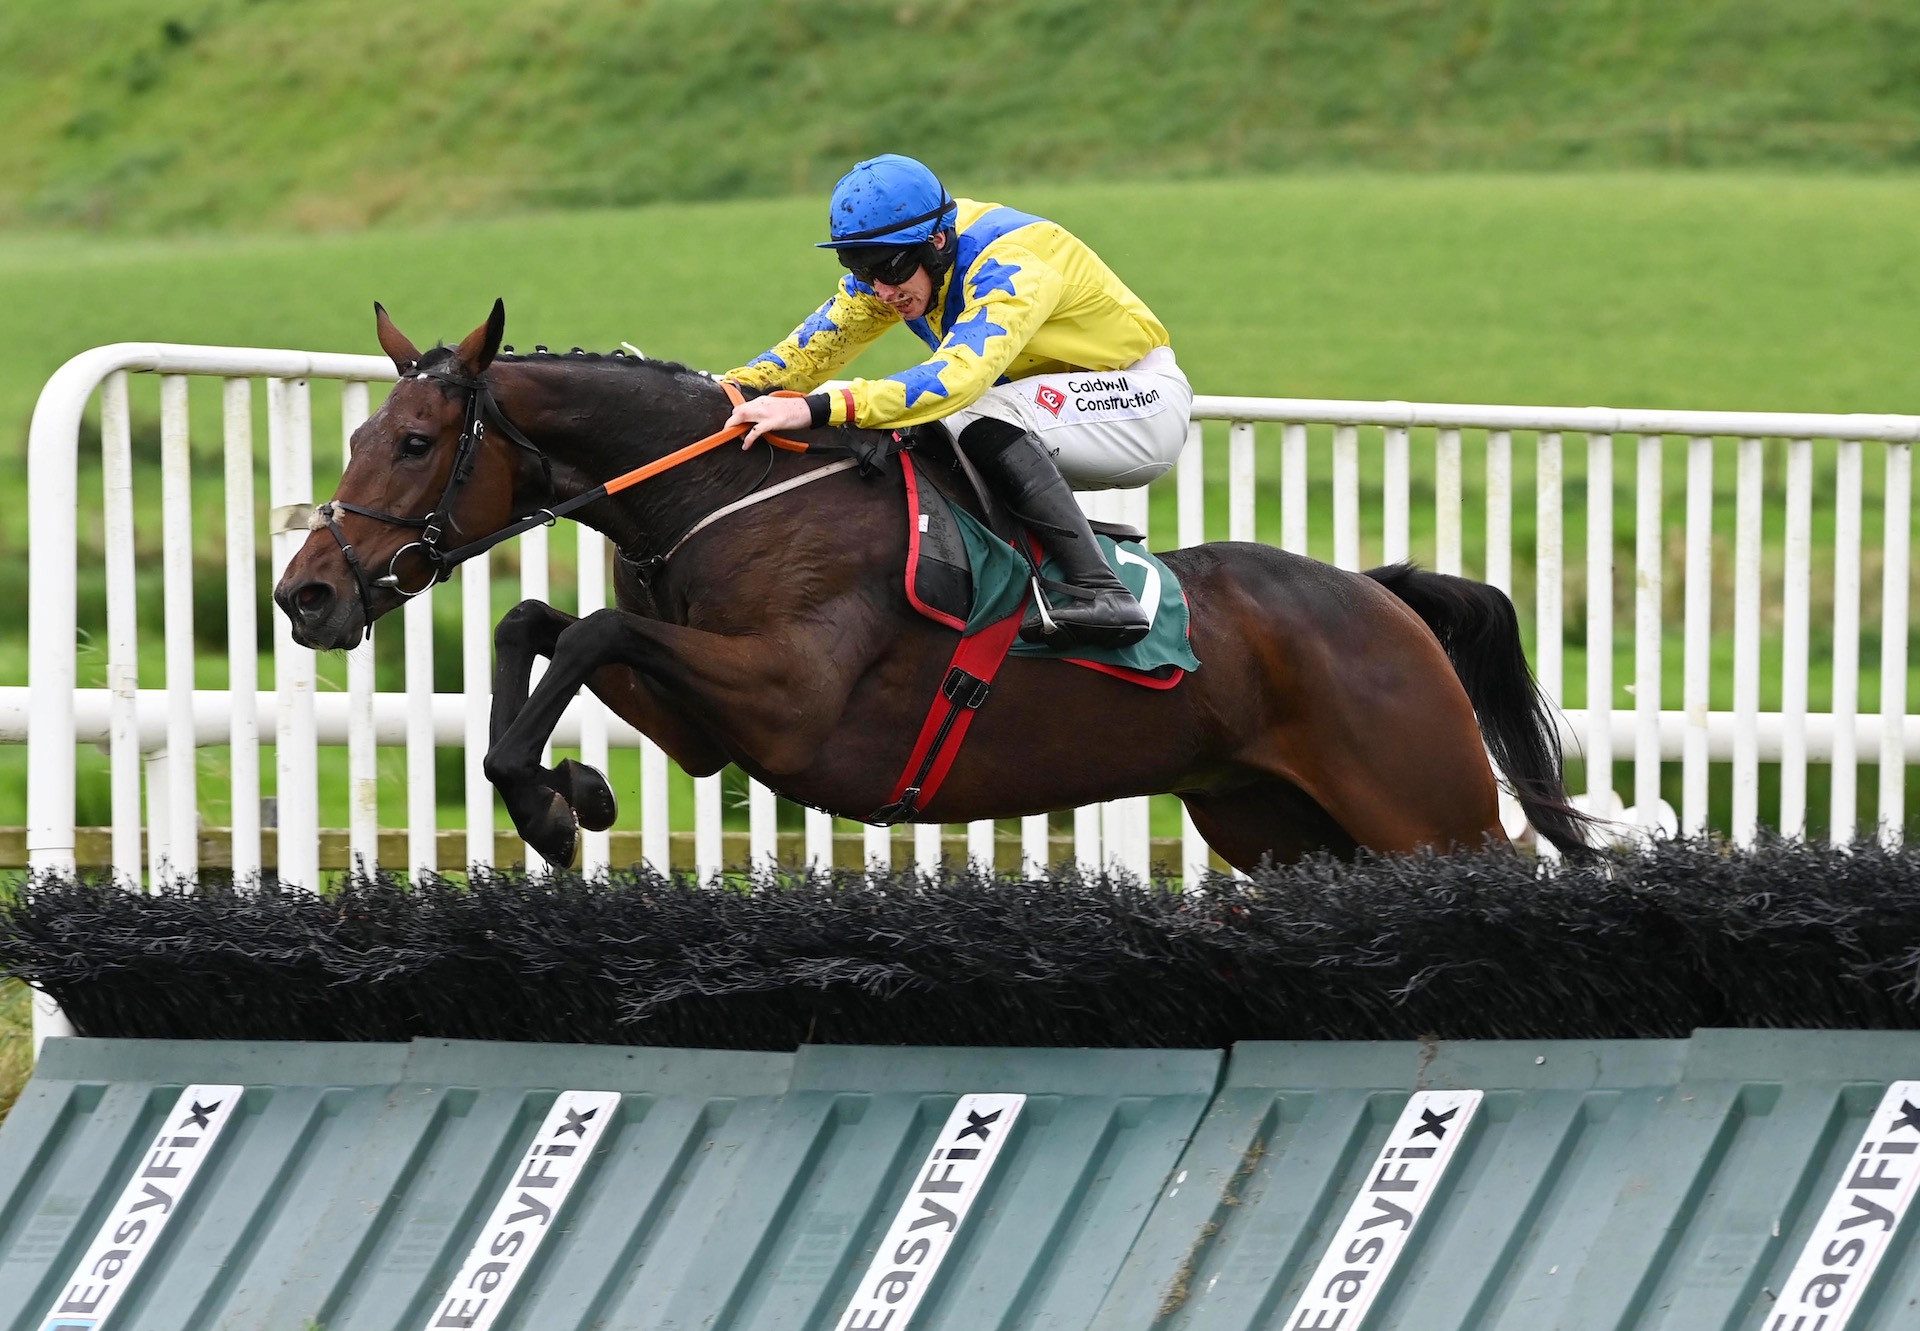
(1099, 611)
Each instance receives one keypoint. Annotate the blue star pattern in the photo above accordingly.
(973, 333)
(816, 323)
(853, 286)
(922, 380)
(768, 358)
(992, 275)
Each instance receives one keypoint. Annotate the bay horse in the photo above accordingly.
(1333, 710)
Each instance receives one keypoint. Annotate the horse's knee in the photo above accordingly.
(533, 624)
(517, 622)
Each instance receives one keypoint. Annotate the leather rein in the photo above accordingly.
(482, 408)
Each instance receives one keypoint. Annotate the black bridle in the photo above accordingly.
(481, 407)
(440, 563)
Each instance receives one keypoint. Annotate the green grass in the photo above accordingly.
(1788, 292)
(249, 114)
(16, 1042)
(1739, 291)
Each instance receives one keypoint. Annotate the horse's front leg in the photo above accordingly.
(747, 688)
(524, 634)
(532, 630)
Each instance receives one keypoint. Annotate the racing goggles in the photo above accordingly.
(889, 265)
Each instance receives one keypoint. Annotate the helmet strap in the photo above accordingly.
(936, 259)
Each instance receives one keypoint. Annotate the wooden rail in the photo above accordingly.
(93, 848)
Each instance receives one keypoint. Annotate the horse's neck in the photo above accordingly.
(599, 422)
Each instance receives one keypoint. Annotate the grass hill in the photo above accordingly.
(323, 114)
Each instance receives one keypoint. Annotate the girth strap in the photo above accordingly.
(966, 685)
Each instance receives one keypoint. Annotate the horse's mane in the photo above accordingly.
(542, 356)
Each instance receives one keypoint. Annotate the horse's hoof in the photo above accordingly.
(548, 825)
(586, 789)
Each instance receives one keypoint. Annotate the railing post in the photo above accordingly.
(243, 665)
(363, 759)
(1500, 510)
(1242, 483)
(1295, 490)
(591, 548)
(1698, 644)
(1397, 486)
(123, 647)
(1549, 558)
(1795, 652)
(1846, 645)
(423, 796)
(1192, 531)
(290, 487)
(1746, 645)
(1346, 497)
(176, 491)
(1648, 585)
(476, 680)
(1446, 488)
(1600, 794)
(1893, 642)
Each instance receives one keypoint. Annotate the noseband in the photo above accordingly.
(481, 407)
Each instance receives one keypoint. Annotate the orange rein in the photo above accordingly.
(706, 445)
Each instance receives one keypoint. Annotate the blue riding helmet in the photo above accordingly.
(888, 200)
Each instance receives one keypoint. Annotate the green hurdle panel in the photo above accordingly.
(348, 1188)
(1600, 1186)
(358, 1187)
(1098, 1133)
(1740, 1179)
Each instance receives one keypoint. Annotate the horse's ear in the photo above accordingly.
(392, 341)
(481, 345)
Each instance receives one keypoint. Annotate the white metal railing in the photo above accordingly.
(153, 734)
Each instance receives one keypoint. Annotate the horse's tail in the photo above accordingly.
(1477, 626)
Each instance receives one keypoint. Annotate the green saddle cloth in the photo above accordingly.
(1000, 581)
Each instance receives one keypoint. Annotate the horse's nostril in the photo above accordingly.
(312, 599)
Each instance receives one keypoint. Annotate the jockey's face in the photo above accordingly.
(910, 297)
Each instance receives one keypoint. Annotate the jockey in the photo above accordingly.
(1045, 368)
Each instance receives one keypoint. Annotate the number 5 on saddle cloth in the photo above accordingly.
(961, 575)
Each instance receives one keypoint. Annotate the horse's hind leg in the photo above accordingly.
(1437, 809)
(1400, 769)
(1382, 735)
(1269, 819)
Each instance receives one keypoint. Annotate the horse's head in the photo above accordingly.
(422, 481)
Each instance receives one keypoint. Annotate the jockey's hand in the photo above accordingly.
(762, 414)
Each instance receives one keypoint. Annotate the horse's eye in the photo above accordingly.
(415, 446)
